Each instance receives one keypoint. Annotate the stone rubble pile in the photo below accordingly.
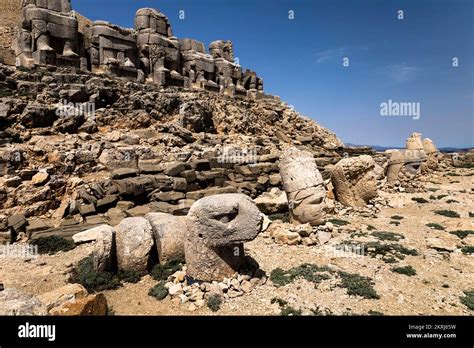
(195, 295)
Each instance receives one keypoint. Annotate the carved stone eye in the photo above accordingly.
(226, 217)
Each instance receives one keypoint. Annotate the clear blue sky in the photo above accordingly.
(407, 60)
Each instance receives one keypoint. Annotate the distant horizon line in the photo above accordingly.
(402, 147)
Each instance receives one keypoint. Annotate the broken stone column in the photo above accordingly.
(113, 50)
(304, 186)
(48, 34)
(354, 180)
(159, 50)
(218, 227)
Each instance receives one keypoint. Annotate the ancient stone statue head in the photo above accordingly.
(429, 146)
(152, 21)
(303, 185)
(414, 142)
(355, 181)
(434, 156)
(217, 228)
(222, 49)
(405, 165)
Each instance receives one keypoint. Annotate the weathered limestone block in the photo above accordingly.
(48, 34)
(354, 180)
(169, 232)
(95, 304)
(218, 227)
(304, 186)
(59, 296)
(19, 303)
(134, 243)
(405, 165)
(113, 50)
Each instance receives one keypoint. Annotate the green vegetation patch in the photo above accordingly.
(162, 272)
(389, 252)
(129, 276)
(281, 302)
(468, 299)
(358, 285)
(214, 302)
(419, 200)
(339, 222)
(462, 233)
(396, 217)
(290, 311)
(468, 250)
(310, 272)
(159, 291)
(391, 236)
(92, 280)
(53, 244)
(354, 283)
(435, 226)
(447, 213)
(407, 270)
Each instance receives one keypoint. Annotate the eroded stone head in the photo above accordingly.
(405, 165)
(355, 181)
(225, 219)
(303, 185)
(414, 142)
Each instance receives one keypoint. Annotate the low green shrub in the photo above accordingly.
(159, 291)
(447, 213)
(92, 280)
(53, 244)
(407, 270)
(214, 302)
